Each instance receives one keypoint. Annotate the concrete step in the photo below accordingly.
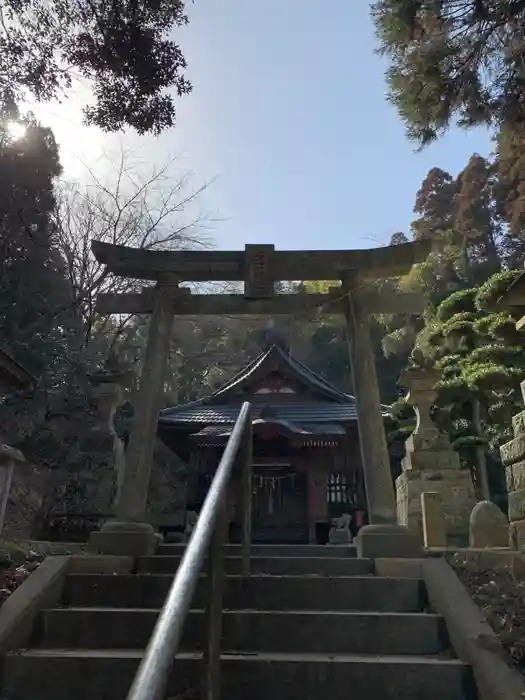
(252, 631)
(107, 675)
(277, 566)
(361, 593)
(274, 550)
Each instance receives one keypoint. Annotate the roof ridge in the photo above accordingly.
(318, 378)
(246, 371)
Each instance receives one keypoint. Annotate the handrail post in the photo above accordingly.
(212, 645)
(207, 539)
(246, 455)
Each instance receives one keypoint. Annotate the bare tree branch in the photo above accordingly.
(157, 210)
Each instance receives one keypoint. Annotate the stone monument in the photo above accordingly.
(434, 534)
(513, 458)
(430, 464)
(488, 527)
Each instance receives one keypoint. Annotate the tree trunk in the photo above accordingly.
(481, 458)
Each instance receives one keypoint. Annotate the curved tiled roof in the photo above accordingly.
(330, 405)
(298, 412)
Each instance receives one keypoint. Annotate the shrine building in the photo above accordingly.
(306, 456)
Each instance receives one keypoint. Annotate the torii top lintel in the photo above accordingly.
(234, 265)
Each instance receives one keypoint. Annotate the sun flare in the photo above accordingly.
(16, 130)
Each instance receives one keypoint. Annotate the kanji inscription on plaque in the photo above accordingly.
(258, 278)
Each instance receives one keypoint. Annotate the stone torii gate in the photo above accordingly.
(259, 267)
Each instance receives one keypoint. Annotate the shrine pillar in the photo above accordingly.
(129, 533)
(383, 537)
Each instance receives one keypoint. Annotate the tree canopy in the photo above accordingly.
(453, 61)
(124, 50)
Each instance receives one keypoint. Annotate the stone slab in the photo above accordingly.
(125, 538)
(513, 451)
(517, 535)
(63, 675)
(360, 593)
(516, 501)
(458, 498)
(433, 519)
(100, 564)
(311, 632)
(274, 550)
(279, 566)
(387, 541)
(515, 476)
(428, 441)
(399, 568)
(518, 424)
(434, 460)
(340, 537)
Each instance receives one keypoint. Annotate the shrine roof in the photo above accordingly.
(303, 430)
(277, 358)
(302, 412)
(327, 405)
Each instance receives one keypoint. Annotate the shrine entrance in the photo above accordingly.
(311, 424)
(280, 504)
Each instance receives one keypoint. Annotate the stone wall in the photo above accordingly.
(28, 488)
(457, 494)
(513, 458)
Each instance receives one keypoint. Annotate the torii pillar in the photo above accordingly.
(383, 537)
(259, 266)
(129, 533)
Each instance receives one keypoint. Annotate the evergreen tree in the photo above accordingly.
(453, 61)
(510, 192)
(435, 208)
(37, 319)
(125, 49)
(482, 361)
(476, 229)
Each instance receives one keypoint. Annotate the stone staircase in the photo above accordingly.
(312, 622)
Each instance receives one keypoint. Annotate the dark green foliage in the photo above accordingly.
(489, 293)
(402, 410)
(461, 324)
(498, 353)
(458, 303)
(126, 49)
(510, 190)
(35, 305)
(39, 325)
(481, 361)
(452, 61)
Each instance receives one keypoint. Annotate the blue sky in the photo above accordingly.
(289, 114)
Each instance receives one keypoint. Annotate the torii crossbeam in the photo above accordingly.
(260, 267)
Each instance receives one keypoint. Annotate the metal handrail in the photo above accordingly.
(152, 674)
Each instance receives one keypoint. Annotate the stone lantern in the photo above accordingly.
(421, 382)
(102, 451)
(13, 377)
(430, 464)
